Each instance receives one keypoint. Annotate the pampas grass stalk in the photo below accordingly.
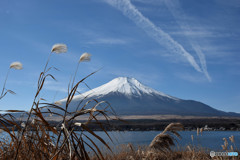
(225, 144)
(201, 131)
(232, 139)
(2, 95)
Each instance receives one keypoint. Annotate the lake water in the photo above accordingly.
(211, 140)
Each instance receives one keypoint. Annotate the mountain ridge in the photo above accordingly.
(128, 96)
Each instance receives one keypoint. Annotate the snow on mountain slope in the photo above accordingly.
(125, 85)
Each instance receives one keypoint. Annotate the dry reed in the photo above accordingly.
(36, 138)
(13, 65)
(59, 48)
(165, 139)
(16, 65)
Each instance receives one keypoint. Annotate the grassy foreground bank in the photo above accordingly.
(126, 152)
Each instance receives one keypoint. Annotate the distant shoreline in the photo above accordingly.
(151, 117)
(159, 122)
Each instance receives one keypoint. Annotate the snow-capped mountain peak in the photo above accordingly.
(124, 85)
(130, 97)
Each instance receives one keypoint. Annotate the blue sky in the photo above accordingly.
(187, 49)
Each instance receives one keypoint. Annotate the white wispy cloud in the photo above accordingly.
(191, 77)
(178, 13)
(107, 41)
(153, 2)
(198, 33)
(164, 39)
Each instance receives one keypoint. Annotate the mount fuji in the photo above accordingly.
(128, 96)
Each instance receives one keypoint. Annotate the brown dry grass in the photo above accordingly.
(36, 139)
(128, 152)
(144, 154)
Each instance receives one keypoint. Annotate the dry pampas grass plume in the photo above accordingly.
(232, 139)
(225, 146)
(192, 138)
(197, 131)
(85, 57)
(23, 124)
(59, 48)
(58, 103)
(16, 65)
(78, 124)
(164, 140)
(201, 131)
